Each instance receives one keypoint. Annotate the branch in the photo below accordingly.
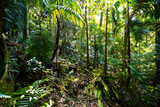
(11, 43)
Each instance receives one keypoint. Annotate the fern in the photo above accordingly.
(40, 48)
(29, 95)
(4, 94)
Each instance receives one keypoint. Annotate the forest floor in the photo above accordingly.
(71, 90)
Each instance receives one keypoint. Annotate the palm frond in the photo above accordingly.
(138, 30)
(69, 11)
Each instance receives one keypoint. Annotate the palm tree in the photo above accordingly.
(152, 8)
(67, 10)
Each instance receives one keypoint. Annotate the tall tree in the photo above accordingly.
(156, 12)
(113, 26)
(87, 33)
(69, 11)
(128, 37)
(105, 62)
(101, 16)
(58, 35)
(95, 51)
(152, 8)
(124, 51)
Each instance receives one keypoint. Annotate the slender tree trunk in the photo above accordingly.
(101, 18)
(157, 75)
(81, 52)
(124, 52)
(125, 41)
(128, 36)
(28, 30)
(64, 34)
(99, 41)
(146, 40)
(95, 51)
(113, 31)
(40, 34)
(124, 57)
(87, 35)
(25, 25)
(139, 54)
(105, 62)
(58, 36)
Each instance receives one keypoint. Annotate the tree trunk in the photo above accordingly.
(25, 23)
(139, 55)
(113, 30)
(101, 18)
(3, 55)
(58, 36)
(95, 51)
(126, 33)
(87, 35)
(40, 34)
(128, 36)
(100, 25)
(105, 62)
(157, 75)
(3, 47)
(124, 52)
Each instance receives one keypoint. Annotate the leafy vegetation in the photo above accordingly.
(80, 53)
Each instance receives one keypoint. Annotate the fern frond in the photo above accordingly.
(40, 48)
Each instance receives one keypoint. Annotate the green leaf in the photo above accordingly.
(71, 72)
(134, 70)
(98, 93)
(69, 11)
(14, 71)
(4, 94)
(105, 86)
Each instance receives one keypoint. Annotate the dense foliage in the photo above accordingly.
(80, 53)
